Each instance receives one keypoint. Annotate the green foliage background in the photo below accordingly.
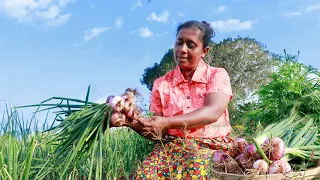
(293, 86)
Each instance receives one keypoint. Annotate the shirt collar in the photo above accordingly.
(198, 76)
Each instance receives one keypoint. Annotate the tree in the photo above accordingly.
(248, 63)
(246, 60)
(167, 63)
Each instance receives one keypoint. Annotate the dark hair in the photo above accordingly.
(205, 28)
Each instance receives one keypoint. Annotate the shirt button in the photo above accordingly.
(188, 97)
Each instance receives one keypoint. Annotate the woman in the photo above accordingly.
(189, 106)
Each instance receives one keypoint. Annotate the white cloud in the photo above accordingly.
(159, 18)
(292, 14)
(51, 13)
(136, 5)
(60, 20)
(231, 25)
(119, 22)
(221, 9)
(94, 33)
(144, 32)
(313, 8)
(41, 11)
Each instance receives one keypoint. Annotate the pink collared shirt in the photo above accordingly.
(173, 95)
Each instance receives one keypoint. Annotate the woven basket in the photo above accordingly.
(303, 175)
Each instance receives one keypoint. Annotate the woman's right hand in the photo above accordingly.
(153, 127)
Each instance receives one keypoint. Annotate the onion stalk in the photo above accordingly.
(260, 151)
(80, 133)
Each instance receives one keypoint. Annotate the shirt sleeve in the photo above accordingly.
(155, 100)
(219, 82)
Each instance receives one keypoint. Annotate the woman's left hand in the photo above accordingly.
(154, 127)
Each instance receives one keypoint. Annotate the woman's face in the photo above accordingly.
(188, 48)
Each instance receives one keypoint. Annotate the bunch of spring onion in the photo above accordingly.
(81, 131)
(300, 140)
(272, 149)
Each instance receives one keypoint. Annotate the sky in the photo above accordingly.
(59, 47)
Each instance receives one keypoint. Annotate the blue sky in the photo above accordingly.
(58, 47)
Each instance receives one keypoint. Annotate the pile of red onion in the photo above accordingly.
(249, 158)
(124, 108)
(225, 163)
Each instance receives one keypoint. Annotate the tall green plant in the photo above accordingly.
(26, 153)
(16, 151)
(292, 85)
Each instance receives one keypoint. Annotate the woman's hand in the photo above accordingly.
(154, 127)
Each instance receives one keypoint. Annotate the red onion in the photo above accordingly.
(275, 147)
(125, 97)
(251, 151)
(279, 167)
(129, 113)
(240, 157)
(231, 166)
(117, 119)
(127, 106)
(117, 103)
(223, 162)
(239, 146)
(129, 109)
(109, 99)
(244, 161)
(261, 166)
(219, 157)
(129, 94)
